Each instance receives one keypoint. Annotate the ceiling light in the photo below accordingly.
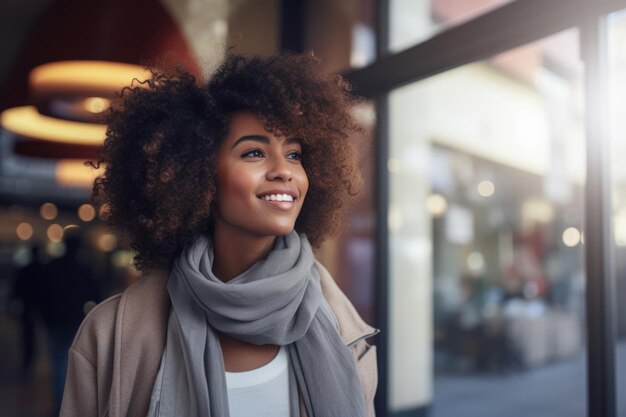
(27, 121)
(70, 76)
(74, 173)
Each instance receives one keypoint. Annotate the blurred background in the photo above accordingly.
(489, 245)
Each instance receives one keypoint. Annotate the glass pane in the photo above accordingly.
(617, 92)
(350, 257)
(342, 33)
(413, 21)
(487, 172)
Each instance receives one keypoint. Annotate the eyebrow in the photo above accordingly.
(254, 138)
(264, 139)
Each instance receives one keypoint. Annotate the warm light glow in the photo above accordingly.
(571, 237)
(48, 211)
(27, 121)
(24, 231)
(86, 212)
(96, 104)
(96, 74)
(55, 249)
(55, 233)
(475, 262)
(619, 227)
(103, 211)
(436, 204)
(365, 114)
(486, 188)
(393, 165)
(123, 259)
(540, 211)
(74, 173)
(107, 242)
(395, 219)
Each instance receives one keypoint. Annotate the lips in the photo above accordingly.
(283, 200)
(276, 195)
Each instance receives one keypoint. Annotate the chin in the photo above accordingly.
(281, 230)
(284, 232)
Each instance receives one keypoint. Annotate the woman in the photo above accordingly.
(222, 189)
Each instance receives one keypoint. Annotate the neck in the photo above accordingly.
(234, 253)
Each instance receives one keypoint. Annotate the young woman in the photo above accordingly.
(221, 189)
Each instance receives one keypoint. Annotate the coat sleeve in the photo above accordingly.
(81, 392)
(90, 364)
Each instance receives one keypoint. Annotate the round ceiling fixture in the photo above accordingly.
(84, 78)
(63, 122)
(28, 122)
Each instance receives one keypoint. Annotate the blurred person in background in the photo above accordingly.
(24, 301)
(66, 288)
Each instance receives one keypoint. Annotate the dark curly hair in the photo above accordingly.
(163, 136)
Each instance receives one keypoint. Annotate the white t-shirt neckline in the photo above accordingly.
(260, 375)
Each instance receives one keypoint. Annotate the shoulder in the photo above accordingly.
(352, 328)
(97, 329)
(142, 302)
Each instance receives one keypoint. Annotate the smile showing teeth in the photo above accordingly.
(277, 197)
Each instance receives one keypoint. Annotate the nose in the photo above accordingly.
(279, 169)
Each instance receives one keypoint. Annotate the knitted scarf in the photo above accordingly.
(277, 301)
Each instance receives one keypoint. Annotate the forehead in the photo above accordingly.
(247, 123)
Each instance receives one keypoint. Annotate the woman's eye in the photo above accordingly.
(297, 156)
(255, 153)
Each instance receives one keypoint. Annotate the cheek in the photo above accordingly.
(237, 186)
(232, 189)
(304, 183)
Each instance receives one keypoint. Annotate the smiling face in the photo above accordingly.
(261, 183)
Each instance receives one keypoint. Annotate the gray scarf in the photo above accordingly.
(277, 301)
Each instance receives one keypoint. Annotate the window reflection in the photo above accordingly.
(413, 21)
(487, 293)
(507, 270)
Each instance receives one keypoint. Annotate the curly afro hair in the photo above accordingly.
(163, 136)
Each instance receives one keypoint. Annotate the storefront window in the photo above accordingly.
(486, 280)
(413, 21)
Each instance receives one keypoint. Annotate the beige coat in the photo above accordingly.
(116, 354)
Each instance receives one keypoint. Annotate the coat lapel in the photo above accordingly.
(139, 341)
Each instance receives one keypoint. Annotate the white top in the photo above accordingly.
(261, 392)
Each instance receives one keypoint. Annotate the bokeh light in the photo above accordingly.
(55, 233)
(107, 242)
(436, 204)
(571, 237)
(48, 211)
(96, 104)
(24, 231)
(393, 165)
(486, 188)
(86, 212)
